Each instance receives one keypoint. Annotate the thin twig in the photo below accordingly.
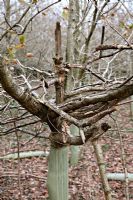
(18, 151)
(126, 81)
(123, 157)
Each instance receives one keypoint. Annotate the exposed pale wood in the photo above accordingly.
(28, 154)
(119, 176)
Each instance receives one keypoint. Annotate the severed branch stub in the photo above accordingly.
(60, 123)
(58, 67)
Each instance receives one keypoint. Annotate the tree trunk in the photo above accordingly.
(58, 174)
(57, 181)
(75, 150)
(131, 71)
(70, 57)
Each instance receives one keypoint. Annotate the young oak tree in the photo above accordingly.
(76, 102)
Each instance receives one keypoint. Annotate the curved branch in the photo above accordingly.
(79, 91)
(29, 102)
(23, 97)
(117, 94)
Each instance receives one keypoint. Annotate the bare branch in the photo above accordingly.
(24, 98)
(83, 90)
(120, 47)
(38, 12)
(113, 94)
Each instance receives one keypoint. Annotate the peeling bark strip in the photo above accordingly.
(92, 132)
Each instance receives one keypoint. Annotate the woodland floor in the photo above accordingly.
(84, 182)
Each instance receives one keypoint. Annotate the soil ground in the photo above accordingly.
(85, 183)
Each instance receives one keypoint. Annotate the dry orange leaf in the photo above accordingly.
(14, 61)
(29, 55)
